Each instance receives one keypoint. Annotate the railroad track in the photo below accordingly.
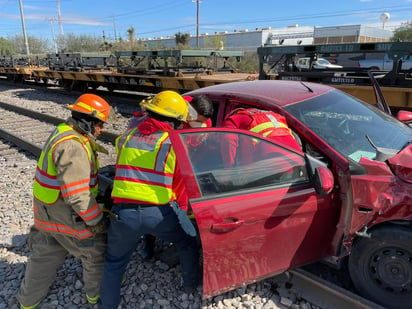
(28, 130)
(126, 101)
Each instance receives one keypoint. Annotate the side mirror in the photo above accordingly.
(405, 117)
(323, 180)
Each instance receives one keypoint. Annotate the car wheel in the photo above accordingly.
(381, 266)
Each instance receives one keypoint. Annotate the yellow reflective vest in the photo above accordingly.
(46, 188)
(145, 167)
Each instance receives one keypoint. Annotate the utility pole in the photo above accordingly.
(197, 21)
(52, 29)
(26, 42)
(59, 17)
(114, 25)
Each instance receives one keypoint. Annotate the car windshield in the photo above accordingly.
(343, 122)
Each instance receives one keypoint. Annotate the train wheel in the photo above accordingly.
(381, 266)
(67, 84)
(80, 86)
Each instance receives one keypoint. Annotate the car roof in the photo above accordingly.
(278, 92)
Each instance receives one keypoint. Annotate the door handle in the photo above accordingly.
(227, 225)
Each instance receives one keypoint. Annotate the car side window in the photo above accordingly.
(227, 162)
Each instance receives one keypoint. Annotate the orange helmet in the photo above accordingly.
(94, 106)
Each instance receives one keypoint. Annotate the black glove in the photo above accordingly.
(106, 199)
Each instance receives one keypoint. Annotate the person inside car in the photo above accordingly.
(266, 123)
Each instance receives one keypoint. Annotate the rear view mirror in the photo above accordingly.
(323, 180)
(322, 176)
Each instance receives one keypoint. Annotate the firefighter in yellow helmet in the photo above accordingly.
(147, 193)
(67, 217)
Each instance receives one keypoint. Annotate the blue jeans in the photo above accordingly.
(124, 234)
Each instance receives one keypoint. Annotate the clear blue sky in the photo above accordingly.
(157, 18)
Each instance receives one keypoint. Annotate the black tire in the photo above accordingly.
(381, 266)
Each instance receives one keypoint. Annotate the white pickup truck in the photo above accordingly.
(385, 64)
(320, 63)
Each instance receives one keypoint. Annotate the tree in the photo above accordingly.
(82, 43)
(130, 34)
(6, 47)
(182, 38)
(214, 42)
(403, 33)
(36, 45)
(249, 63)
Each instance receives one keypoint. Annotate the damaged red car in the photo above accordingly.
(346, 198)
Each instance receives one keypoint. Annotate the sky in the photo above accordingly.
(161, 18)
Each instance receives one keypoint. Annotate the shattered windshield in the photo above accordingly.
(344, 122)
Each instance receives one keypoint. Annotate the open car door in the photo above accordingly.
(258, 217)
(380, 99)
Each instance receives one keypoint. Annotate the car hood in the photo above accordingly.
(401, 164)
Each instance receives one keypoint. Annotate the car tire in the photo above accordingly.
(381, 266)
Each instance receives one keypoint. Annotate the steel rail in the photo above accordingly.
(36, 150)
(118, 96)
(109, 136)
(20, 142)
(325, 294)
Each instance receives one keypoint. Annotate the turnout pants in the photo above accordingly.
(127, 225)
(48, 252)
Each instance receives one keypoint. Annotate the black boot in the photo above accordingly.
(148, 248)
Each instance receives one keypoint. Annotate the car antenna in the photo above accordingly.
(307, 87)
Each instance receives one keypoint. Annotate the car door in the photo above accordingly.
(255, 218)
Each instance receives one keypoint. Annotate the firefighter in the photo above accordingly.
(67, 217)
(204, 109)
(147, 193)
(266, 123)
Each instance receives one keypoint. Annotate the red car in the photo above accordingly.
(345, 199)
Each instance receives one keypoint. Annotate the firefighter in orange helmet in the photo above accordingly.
(149, 195)
(67, 217)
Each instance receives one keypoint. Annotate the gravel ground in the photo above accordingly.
(150, 284)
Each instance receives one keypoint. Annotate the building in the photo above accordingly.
(249, 40)
(350, 34)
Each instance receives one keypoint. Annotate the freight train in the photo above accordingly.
(186, 70)
(145, 71)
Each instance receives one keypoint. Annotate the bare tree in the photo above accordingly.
(37, 45)
(82, 43)
(130, 34)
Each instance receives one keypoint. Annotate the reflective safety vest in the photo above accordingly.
(46, 188)
(267, 123)
(145, 168)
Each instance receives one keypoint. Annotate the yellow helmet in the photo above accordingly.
(171, 104)
(94, 106)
